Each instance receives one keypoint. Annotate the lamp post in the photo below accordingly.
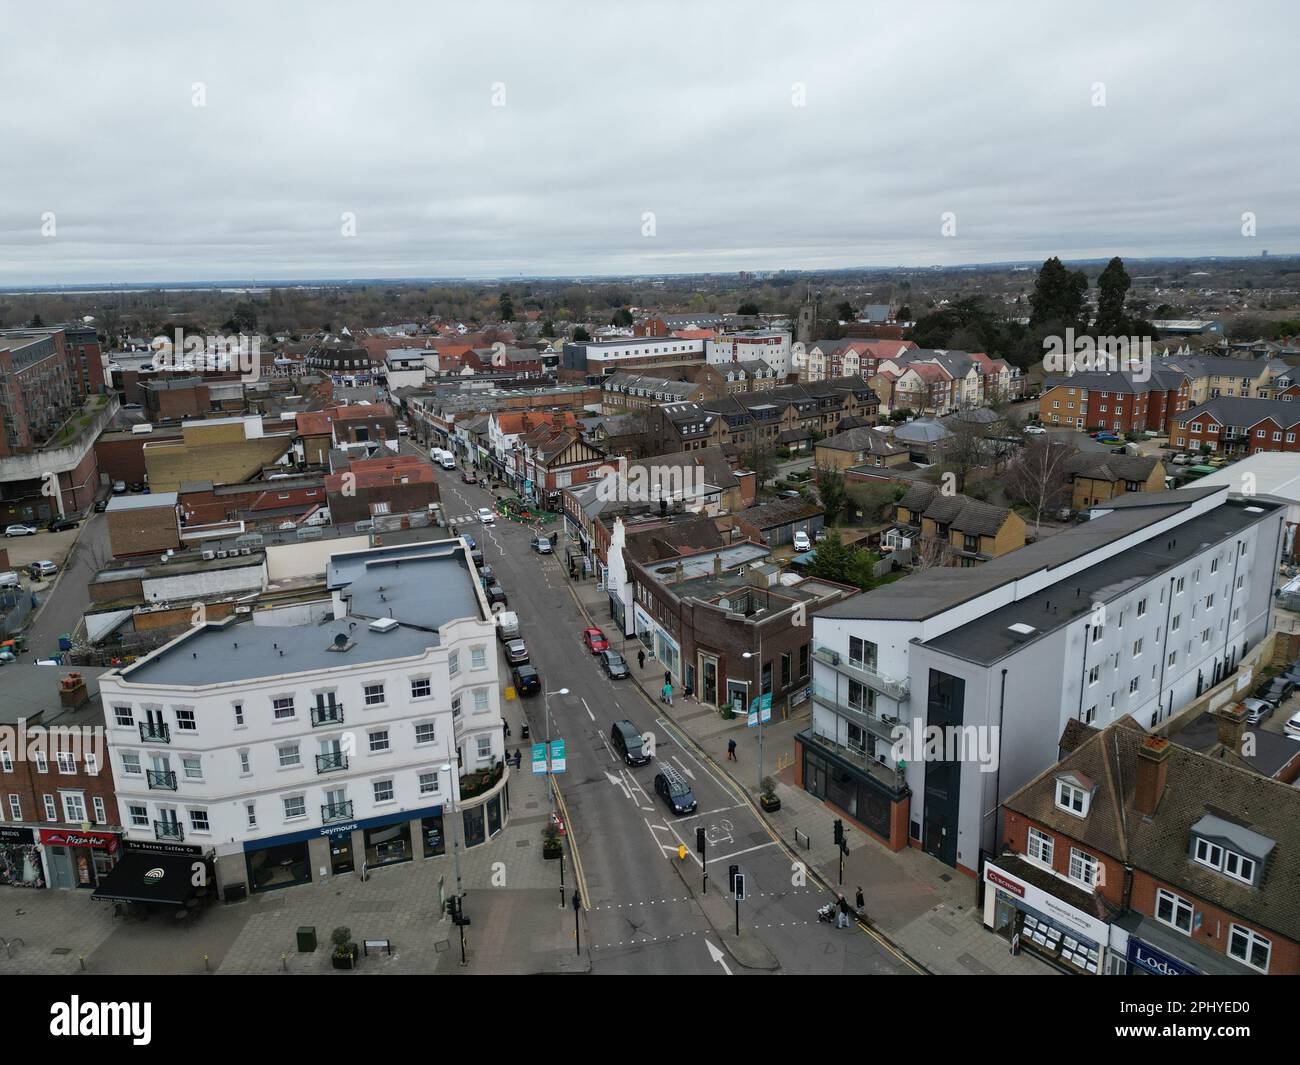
(759, 656)
(546, 706)
(446, 767)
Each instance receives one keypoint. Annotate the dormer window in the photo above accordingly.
(1230, 848)
(1072, 798)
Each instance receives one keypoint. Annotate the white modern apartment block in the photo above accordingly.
(302, 742)
(770, 345)
(1136, 612)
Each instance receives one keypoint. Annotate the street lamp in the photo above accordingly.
(446, 767)
(550, 789)
(759, 656)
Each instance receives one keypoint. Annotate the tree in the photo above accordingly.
(845, 311)
(762, 461)
(506, 307)
(748, 307)
(875, 502)
(548, 328)
(831, 490)
(622, 318)
(1037, 478)
(1057, 299)
(966, 449)
(837, 561)
(37, 322)
(929, 552)
(1112, 291)
(580, 333)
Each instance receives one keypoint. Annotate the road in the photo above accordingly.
(63, 606)
(645, 913)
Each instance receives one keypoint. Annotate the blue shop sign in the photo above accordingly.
(1145, 958)
(342, 828)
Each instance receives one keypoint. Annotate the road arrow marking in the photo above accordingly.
(682, 767)
(716, 955)
(619, 783)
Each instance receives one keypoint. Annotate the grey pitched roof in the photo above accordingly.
(922, 431)
(781, 512)
(963, 513)
(1241, 411)
(861, 439)
(1108, 467)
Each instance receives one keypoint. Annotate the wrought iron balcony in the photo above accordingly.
(172, 830)
(155, 732)
(336, 811)
(160, 779)
(328, 763)
(329, 714)
(894, 687)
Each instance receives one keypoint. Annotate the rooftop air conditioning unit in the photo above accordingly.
(245, 550)
(243, 610)
(222, 554)
(209, 555)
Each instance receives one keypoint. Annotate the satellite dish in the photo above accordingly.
(341, 640)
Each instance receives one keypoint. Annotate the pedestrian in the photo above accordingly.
(842, 918)
(731, 751)
(640, 659)
(506, 725)
(862, 902)
(668, 677)
(668, 694)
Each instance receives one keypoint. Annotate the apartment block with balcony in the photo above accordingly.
(326, 735)
(1133, 614)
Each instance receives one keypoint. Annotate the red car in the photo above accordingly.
(595, 640)
(468, 478)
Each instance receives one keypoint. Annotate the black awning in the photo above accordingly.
(142, 877)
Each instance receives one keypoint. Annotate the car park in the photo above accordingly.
(671, 786)
(629, 743)
(594, 640)
(1256, 710)
(542, 545)
(614, 665)
(486, 516)
(62, 524)
(42, 569)
(21, 530)
(526, 679)
(516, 652)
(801, 541)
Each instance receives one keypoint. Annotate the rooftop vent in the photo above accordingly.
(1022, 628)
(384, 625)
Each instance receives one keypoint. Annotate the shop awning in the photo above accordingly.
(143, 877)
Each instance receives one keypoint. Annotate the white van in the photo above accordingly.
(447, 461)
(10, 580)
(507, 626)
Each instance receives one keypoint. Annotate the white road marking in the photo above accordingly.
(716, 955)
(683, 767)
(618, 783)
(588, 709)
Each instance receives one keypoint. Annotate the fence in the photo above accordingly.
(15, 606)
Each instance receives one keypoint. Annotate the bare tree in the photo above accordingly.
(929, 552)
(1037, 478)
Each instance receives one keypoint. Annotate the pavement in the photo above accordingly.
(925, 909)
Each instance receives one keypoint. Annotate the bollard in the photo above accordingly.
(205, 964)
(284, 962)
(82, 958)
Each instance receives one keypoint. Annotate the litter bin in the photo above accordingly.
(307, 939)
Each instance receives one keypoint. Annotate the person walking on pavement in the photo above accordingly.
(731, 751)
(668, 693)
(842, 916)
(640, 659)
(862, 903)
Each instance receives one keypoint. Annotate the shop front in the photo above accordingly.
(1143, 946)
(78, 859)
(20, 858)
(1030, 918)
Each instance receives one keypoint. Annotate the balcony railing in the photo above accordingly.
(329, 714)
(894, 687)
(879, 725)
(893, 779)
(160, 779)
(328, 763)
(172, 830)
(336, 811)
(154, 732)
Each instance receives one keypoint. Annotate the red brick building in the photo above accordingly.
(1234, 425)
(401, 483)
(1115, 401)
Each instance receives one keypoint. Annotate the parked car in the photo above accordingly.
(542, 545)
(526, 679)
(9, 579)
(614, 665)
(516, 652)
(1292, 726)
(470, 542)
(62, 524)
(672, 786)
(476, 556)
(496, 594)
(101, 505)
(119, 488)
(137, 486)
(1257, 710)
(42, 569)
(487, 575)
(790, 493)
(21, 530)
(486, 516)
(1035, 430)
(468, 478)
(595, 640)
(1181, 460)
(801, 541)
(1278, 691)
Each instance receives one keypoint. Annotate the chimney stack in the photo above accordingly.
(1232, 725)
(73, 691)
(717, 565)
(1152, 774)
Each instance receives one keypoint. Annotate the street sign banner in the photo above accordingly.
(539, 759)
(558, 761)
(761, 705)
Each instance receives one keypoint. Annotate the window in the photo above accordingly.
(1176, 623)
(92, 764)
(1094, 674)
(1247, 945)
(383, 790)
(1040, 846)
(67, 762)
(245, 767)
(1174, 911)
(1090, 715)
(378, 740)
(1210, 854)
(193, 766)
(42, 763)
(1178, 588)
(239, 713)
(15, 807)
(484, 747)
(123, 716)
(1239, 867)
(139, 816)
(185, 721)
(1214, 565)
(455, 707)
(1205, 636)
(478, 658)
(862, 652)
(429, 783)
(1142, 607)
(282, 707)
(251, 810)
(1173, 657)
(101, 814)
(480, 700)
(374, 694)
(1083, 867)
(424, 732)
(1096, 633)
(51, 810)
(420, 687)
(1133, 685)
(131, 763)
(453, 663)
(1071, 798)
(6, 761)
(199, 820)
(1137, 648)
(289, 755)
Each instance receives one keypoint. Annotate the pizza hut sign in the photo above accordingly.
(59, 837)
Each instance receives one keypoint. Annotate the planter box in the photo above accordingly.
(550, 853)
(347, 961)
(770, 805)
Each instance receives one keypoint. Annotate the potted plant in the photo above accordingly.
(345, 951)
(767, 797)
(551, 846)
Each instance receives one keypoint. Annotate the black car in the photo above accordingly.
(101, 505)
(496, 594)
(675, 791)
(516, 652)
(614, 665)
(476, 556)
(1278, 691)
(137, 486)
(61, 524)
(527, 680)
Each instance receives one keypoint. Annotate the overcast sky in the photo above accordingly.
(759, 136)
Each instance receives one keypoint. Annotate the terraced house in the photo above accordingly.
(958, 530)
(1121, 401)
(1096, 477)
(1234, 426)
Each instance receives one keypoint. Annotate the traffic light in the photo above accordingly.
(699, 840)
(839, 833)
